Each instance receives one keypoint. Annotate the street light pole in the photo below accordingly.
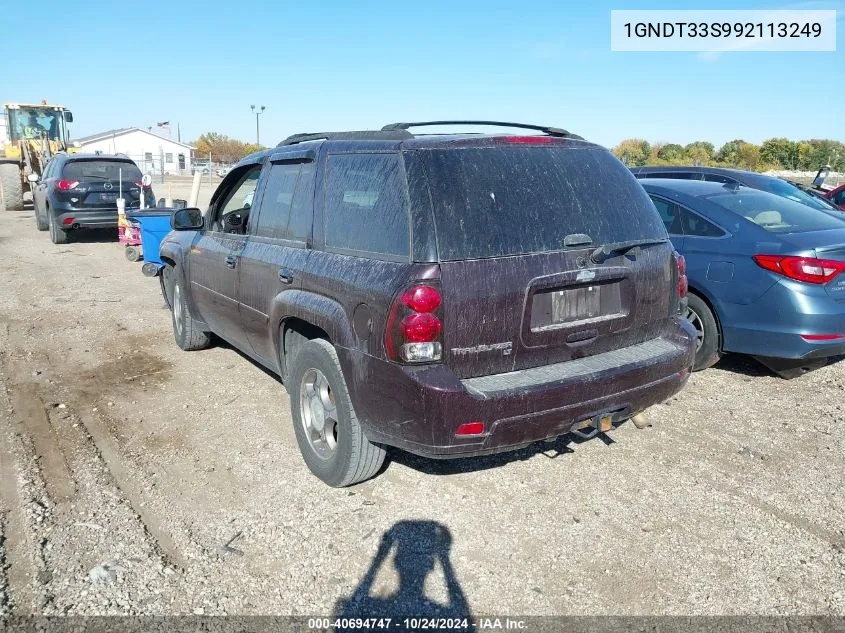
(258, 110)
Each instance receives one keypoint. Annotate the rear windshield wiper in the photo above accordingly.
(620, 248)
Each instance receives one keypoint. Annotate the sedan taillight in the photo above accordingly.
(807, 269)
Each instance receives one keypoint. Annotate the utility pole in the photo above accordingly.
(258, 110)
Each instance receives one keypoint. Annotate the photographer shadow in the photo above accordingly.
(418, 547)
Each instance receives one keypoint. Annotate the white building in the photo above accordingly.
(152, 153)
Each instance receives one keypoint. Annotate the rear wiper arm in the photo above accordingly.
(619, 248)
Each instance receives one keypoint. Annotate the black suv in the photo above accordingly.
(451, 295)
(80, 191)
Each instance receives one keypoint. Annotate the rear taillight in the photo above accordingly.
(808, 269)
(683, 283)
(414, 332)
(67, 185)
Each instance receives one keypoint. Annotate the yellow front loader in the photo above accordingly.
(29, 135)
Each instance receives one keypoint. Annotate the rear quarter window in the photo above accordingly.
(366, 207)
(517, 199)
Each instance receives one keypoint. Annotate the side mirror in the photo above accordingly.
(68, 116)
(189, 219)
(33, 178)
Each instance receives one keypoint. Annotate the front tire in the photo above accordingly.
(57, 235)
(707, 333)
(10, 174)
(330, 438)
(186, 330)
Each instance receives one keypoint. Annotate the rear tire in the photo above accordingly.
(10, 175)
(331, 439)
(187, 331)
(57, 235)
(707, 331)
(40, 223)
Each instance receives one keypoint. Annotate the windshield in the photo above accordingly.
(101, 170)
(34, 123)
(775, 213)
(514, 199)
(790, 191)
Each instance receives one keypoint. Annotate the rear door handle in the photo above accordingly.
(231, 261)
(285, 276)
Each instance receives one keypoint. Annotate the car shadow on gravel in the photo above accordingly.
(553, 449)
(416, 550)
(751, 368)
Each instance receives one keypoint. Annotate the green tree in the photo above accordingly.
(222, 148)
(729, 152)
(748, 156)
(780, 152)
(826, 152)
(670, 152)
(700, 152)
(634, 152)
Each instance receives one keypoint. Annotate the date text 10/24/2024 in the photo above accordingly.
(418, 624)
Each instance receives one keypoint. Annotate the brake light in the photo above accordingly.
(683, 282)
(67, 221)
(470, 428)
(529, 140)
(808, 269)
(67, 185)
(822, 337)
(414, 325)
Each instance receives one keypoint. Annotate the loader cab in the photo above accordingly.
(34, 122)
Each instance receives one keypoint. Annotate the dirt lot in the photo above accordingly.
(128, 466)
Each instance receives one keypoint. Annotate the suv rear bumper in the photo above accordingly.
(419, 409)
(88, 219)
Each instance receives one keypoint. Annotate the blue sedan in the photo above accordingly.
(765, 273)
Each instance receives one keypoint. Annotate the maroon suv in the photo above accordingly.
(451, 295)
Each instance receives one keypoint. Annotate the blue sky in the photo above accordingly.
(353, 65)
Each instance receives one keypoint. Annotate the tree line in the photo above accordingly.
(773, 153)
(222, 148)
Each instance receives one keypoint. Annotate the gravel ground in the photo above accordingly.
(140, 479)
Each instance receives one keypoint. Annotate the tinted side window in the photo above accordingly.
(677, 175)
(299, 225)
(670, 214)
(275, 204)
(366, 207)
(838, 198)
(694, 224)
(718, 178)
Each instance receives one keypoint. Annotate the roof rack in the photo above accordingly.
(362, 135)
(551, 131)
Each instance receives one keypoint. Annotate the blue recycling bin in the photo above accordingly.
(154, 226)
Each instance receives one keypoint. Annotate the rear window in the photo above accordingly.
(787, 190)
(510, 200)
(775, 213)
(366, 205)
(101, 169)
